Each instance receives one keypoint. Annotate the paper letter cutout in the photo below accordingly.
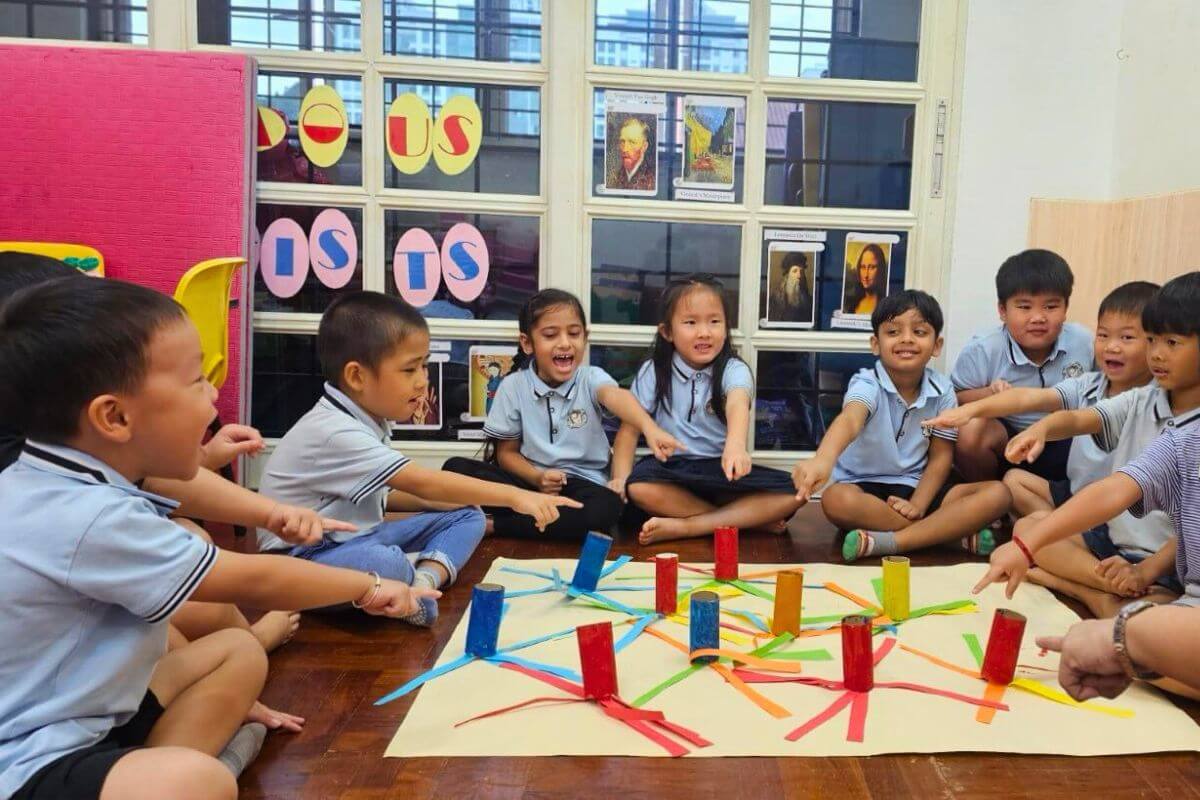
(272, 128)
(459, 130)
(324, 127)
(283, 257)
(409, 133)
(465, 262)
(416, 267)
(333, 248)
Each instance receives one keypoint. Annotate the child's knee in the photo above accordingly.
(242, 648)
(838, 502)
(980, 435)
(639, 492)
(472, 521)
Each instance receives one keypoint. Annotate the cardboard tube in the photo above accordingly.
(704, 615)
(666, 583)
(591, 561)
(1003, 647)
(789, 589)
(895, 587)
(483, 624)
(858, 665)
(725, 546)
(597, 660)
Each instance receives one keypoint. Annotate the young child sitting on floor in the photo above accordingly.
(699, 391)
(338, 458)
(1033, 347)
(889, 473)
(105, 380)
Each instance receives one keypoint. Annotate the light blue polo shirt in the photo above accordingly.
(90, 571)
(560, 426)
(689, 416)
(337, 460)
(995, 355)
(1087, 461)
(893, 446)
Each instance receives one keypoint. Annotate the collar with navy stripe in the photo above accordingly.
(1098, 390)
(542, 389)
(1164, 414)
(338, 399)
(686, 372)
(1017, 355)
(78, 465)
(929, 388)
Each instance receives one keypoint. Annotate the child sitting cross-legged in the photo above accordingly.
(889, 474)
(105, 380)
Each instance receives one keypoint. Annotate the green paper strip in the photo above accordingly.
(951, 606)
(877, 585)
(710, 584)
(650, 694)
(976, 651)
(804, 655)
(749, 588)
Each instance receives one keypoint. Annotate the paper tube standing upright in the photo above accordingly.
(591, 561)
(789, 588)
(725, 546)
(1003, 647)
(704, 619)
(858, 664)
(483, 625)
(597, 660)
(666, 583)
(895, 587)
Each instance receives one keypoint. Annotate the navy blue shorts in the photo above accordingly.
(902, 490)
(1051, 464)
(1102, 547)
(1060, 492)
(704, 476)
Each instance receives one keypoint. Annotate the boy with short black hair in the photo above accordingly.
(1124, 556)
(1033, 347)
(889, 470)
(105, 379)
(338, 458)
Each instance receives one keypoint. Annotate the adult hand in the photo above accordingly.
(1089, 666)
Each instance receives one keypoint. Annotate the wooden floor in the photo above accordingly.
(334, 668)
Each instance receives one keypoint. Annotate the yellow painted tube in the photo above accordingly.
(789, 588)
(895, 587)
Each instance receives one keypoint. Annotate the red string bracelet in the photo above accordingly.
(1024, 549)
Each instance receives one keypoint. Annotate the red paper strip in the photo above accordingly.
(858, 718)
(515, 706)
(917, 687)
(821, 718)
(751, 676)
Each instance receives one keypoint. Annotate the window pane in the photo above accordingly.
(513, 251)
(452, 359)
(845, 155)
(509, 159)
(701, 35)
(854, 39)
(632, 261)
(834, 284)
(314, 296)
(668, 141)
(287, 381)
(482, 30)
(328, 26)
(86, 20)
(286, 163)
(798, 394)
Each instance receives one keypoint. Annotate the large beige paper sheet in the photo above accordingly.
(897, 722)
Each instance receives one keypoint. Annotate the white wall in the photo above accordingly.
(1037, 120)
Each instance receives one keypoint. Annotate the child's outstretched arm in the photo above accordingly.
(811, 475)
(1019, 400)
(448, 487)
(624, 448)
(1027, 445)
(735, 460)
(1095, 504)
(623, 404)
(293, 584)
(210, 497)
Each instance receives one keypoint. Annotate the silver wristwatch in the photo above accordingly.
(1118, 637)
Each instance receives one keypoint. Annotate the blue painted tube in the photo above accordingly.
(704, 615)
(591, 561)
(483, 626)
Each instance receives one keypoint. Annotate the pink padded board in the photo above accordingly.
(146, 156)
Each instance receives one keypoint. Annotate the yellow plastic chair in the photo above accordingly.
(83, 258)
(204, 292)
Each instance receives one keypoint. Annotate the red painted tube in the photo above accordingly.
(666, 583)
(725, 545)
(1003, 647)
(597, 660)
(858, 662)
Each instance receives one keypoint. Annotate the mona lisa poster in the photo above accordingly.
(868, 259)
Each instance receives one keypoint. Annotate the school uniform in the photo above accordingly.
(1168, 473)
(559, 427)
(90, 572)
(1087, 461)
(688, 415)
(11, 442)
(995, 355)
(889, 455)
(1130, 423)
(337, 460)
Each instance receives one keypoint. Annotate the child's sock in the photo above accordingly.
(243, 747)
(425, 616)
(426, 578)
(981, 543)
(861, 543)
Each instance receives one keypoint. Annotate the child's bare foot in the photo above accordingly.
(276, 628)
(661, 529)
(778, 527)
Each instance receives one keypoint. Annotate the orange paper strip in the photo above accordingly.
(753, 661)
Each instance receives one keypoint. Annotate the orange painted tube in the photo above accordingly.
(789, 590)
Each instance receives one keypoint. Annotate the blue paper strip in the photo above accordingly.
(424, 678)
(614, 566)
(562, 672)
(537, 640)
(520, 571)
(634, 632)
